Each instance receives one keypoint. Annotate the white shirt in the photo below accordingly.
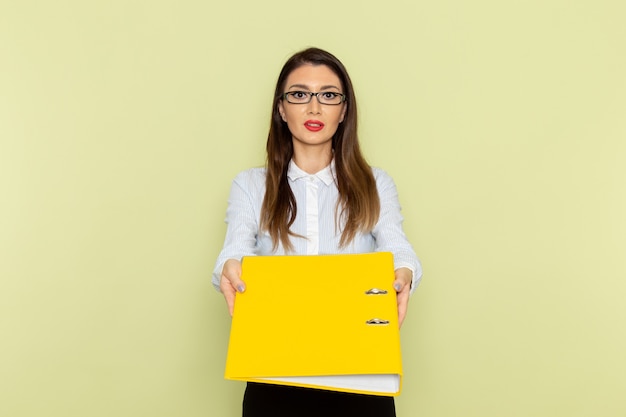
(316, 198)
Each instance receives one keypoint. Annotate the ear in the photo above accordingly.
(343, 113)
(281, 111)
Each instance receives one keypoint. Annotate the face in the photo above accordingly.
(312, 124)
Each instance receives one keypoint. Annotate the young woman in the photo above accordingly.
(316, 195)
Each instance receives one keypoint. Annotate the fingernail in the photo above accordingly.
(397, 286)
(241, 288)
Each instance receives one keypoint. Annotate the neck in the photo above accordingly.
(314, 160)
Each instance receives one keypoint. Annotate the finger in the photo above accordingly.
(403, 277)
(238, 284)
(231, 283)
(232, 272)
(403, 304)
(229, 293)
(402, 285)
(399, 285)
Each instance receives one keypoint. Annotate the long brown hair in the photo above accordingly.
(358, 206)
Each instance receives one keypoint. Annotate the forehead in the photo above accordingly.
(313, 77)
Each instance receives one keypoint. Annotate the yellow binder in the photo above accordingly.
(326, 321)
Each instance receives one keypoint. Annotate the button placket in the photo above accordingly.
(312, 216)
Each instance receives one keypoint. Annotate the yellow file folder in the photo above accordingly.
(327, 321)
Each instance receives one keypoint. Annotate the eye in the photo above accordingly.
(328, 95)
(300, 95)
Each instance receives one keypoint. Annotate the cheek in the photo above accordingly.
(291, 114)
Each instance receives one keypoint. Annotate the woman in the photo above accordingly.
(316, 195)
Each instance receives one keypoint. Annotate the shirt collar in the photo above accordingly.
(326, 175)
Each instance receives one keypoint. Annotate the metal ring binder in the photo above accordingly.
(376, 291)
(377, 322)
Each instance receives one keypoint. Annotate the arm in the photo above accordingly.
(390, 237)
(241, 233)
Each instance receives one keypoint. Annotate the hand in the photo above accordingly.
(402, 285)
(231, 283)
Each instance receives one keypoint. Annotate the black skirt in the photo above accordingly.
(269, 400)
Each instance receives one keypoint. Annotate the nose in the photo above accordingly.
(314, 106)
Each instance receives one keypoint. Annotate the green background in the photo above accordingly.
(122, 124)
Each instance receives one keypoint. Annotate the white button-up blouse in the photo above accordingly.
(316, 198)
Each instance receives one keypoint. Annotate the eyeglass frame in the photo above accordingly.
(310, 94)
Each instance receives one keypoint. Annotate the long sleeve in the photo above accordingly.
(242, 216)
(388, 231)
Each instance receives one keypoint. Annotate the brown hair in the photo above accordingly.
(358, 205)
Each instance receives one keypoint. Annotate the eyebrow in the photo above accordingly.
(304, 87)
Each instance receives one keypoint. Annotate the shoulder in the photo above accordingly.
(251, 176)
(383, 179)
(250, 181)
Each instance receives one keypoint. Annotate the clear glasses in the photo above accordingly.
(324, 97)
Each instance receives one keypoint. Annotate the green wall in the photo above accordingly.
(123, 122)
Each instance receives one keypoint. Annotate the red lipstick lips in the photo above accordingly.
(314, 125)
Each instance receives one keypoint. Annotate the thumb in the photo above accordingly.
(399, 285)
(232, 272)
(403, 277)
(235, 282)
(402, 285)
(239, 285)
